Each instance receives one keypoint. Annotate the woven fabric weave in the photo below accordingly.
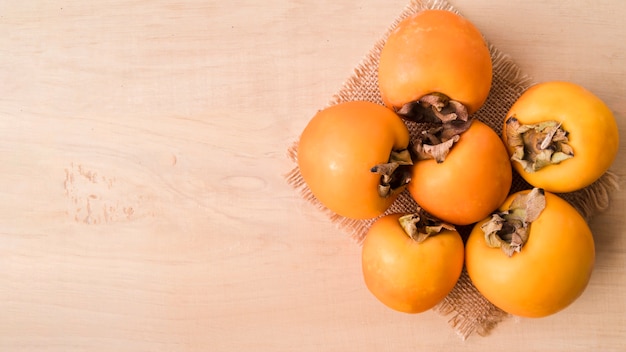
(468, 311)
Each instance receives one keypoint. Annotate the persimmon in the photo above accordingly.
(560, 136)
(533, 257)
(471, 182)
(411, 262)
(353, 156)
(435, 55)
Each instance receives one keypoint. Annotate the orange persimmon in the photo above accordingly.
(472, 181)
(353, 157)
(532, 258)
(435, 51)
(410, 263)
(561, 137)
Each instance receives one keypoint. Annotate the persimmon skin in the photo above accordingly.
(592, 133)
(473, 180)
(549, 273)
(435, 51)
(405, 275)
(337, 150)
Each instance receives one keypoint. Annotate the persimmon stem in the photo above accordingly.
(394, 174)
(450, 119)
(509, 230)
(434, 107)
(536, 146)
(421, 225)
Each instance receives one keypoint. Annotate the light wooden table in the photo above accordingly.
(142, 199)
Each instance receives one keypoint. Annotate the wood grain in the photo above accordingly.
(142, 199)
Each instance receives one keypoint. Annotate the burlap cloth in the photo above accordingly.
(468, 311)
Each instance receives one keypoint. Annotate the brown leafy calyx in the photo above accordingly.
(394, 174)
(508, 230)
(421, 225)
(450, 119)
(536, 146)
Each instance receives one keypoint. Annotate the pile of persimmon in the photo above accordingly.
(530, 253)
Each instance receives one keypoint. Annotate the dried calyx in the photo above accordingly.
(395, 174)
(421, 225)
(449, 118)
(537, 145)
(508, 230)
